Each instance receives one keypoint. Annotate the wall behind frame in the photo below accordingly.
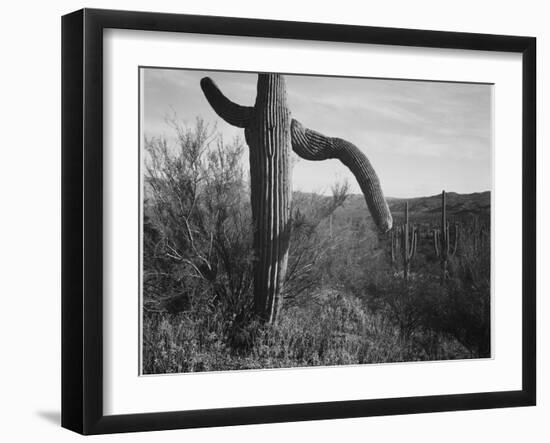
(30, 260)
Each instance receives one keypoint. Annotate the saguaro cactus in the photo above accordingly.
(409, 239)
(479, 235)
(395, 236)
(442, 239)
(404, 239)
(270, 133)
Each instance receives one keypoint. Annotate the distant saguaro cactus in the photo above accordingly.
(270, 133)
(442, 239)
(395, 236)
(409, 240)
(404, 238)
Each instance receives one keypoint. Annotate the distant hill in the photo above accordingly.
(422, 210)
(460, 207)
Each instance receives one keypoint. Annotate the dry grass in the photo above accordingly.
(333, 330)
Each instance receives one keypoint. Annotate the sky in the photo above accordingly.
(421, 137)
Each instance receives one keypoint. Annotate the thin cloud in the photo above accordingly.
(420, 136)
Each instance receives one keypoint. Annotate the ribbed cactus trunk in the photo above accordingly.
(268, 136)
(270, 133)
(267, 132)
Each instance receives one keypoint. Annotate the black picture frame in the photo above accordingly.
(82, 215)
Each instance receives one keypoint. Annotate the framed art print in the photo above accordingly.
(278, 221)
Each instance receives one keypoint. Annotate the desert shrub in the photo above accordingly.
(432, 312)
(197, 246)
(312, 243)
(197, 233)
(465, 314)
(333, 329)
(468, 291)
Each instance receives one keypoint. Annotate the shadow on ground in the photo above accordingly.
(54, 417)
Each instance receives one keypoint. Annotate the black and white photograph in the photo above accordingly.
(295, 220)
(279, 222)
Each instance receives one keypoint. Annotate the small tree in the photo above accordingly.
(197, 223)
(309, 248)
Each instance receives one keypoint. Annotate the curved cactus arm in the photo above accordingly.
(231, 112)
(312, 145)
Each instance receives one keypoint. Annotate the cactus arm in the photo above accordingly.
(312, 145)
(231, 112)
